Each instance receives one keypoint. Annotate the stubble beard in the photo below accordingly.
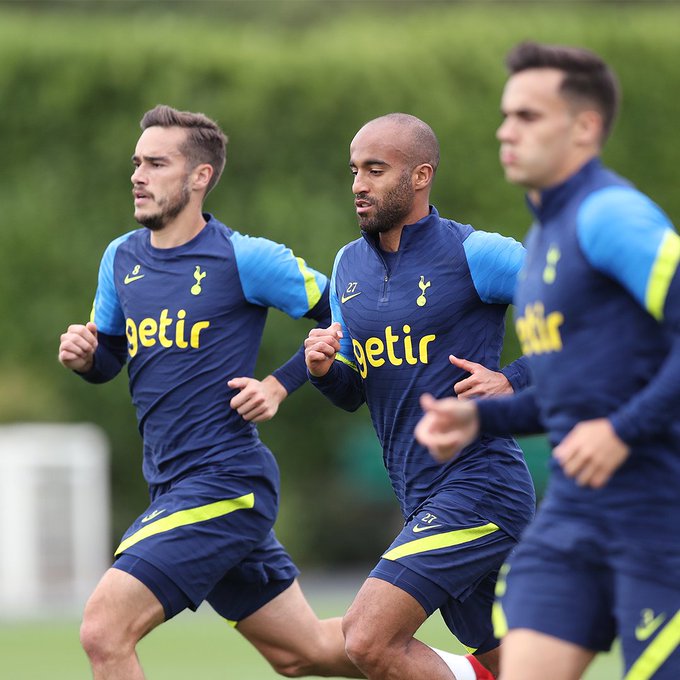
(392, 210)
(169, 209)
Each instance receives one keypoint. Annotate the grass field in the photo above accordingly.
(197, 646)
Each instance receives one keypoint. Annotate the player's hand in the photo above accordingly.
(321, 346)
(591, 452)
(257, 400)
(447, 426)
(482, 382)
(77, 347)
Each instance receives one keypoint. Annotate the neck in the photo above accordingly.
(389, 240)
(568, 171)
(178, 231)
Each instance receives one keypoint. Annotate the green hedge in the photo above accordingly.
(290, 90)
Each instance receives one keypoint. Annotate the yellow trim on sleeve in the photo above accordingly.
(663, 269)
(349, 363)
(202, 513)
(438, 541)
(664, 644)
(311, 286)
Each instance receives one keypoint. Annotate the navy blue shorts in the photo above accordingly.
(209, 537)
(447, 558)
(580, 581)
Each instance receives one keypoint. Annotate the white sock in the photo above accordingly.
(458, 665)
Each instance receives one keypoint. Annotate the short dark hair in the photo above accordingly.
(205, 142)
(586, 76)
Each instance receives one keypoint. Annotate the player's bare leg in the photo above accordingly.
(119, 613)
(528, 655)
(379, 629)
(288, 633)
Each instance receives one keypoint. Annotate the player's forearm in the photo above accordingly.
(341, 385)
(108, 360)
(293, 373)
(518, 414)
(654, 409)
(518, 374)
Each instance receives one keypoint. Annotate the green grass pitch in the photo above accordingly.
(200, 646)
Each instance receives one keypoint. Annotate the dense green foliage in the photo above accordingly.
(290, 90)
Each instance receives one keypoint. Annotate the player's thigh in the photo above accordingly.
(288, 622)
(530, 655)
(266, 573)
(648, 615)
(121, 605)
(447, 558)
(382, 613)
(195, 532)
(564, 594)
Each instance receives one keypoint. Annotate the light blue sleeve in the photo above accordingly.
(106, 310)
(626, 236)
(494, 263)
(346, 354)
(272, 276)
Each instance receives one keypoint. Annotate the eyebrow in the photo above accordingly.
(370, 161)
(149, 159)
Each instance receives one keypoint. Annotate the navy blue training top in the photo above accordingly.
(187, 320)
(598, 316)
(445, 291)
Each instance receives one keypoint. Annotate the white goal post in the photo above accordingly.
(54, 517)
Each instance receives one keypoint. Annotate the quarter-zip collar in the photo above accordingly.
(555, 198)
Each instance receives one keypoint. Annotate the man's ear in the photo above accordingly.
(422, 176)
(201, 176)
(589, 128)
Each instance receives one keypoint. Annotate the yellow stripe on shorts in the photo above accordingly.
(498, 620)
(664, 644)
(438, 541)
(202, 513)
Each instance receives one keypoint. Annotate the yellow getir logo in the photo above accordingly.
(165, 330)
(392, 348)
(538, 333)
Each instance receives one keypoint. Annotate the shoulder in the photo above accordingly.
(618, 213)
(130, 236)
(352, 253)
(492, 248)
(247, 247)
(454, 230)
(124, 240)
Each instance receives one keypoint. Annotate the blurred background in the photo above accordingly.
(290, 82)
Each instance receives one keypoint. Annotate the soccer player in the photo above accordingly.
(183, 301)
(598, 314)
(409, 298)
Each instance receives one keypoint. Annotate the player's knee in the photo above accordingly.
(100, 638)
(362, 646)
(96, 640)
(291, 665)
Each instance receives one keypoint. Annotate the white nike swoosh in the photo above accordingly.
(344, 298)
(417, 528)
(153, 515)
